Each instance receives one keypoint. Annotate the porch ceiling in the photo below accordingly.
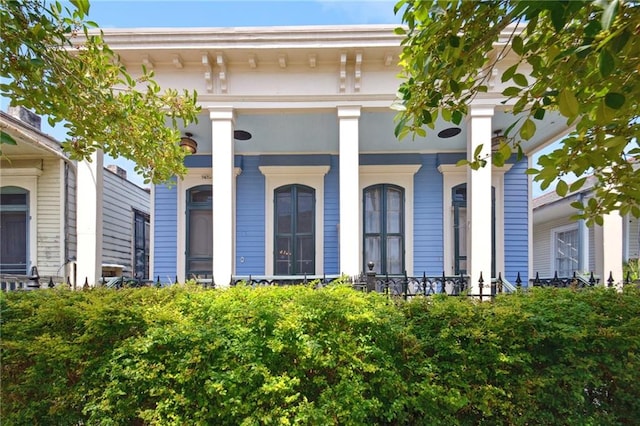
(317, 131)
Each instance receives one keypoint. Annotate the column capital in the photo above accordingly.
(222, 113)
(481, 111)
(349, 111)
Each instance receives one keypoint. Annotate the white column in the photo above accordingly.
(223, 177)
(583, 247)
(479, 199)
(89, 188)
(348, 117)
(612, 248)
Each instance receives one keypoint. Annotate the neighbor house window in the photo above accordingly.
(384, 228)
(14, 219)
(141, 244)
(566, 251)
(294, 242)
(199, 247)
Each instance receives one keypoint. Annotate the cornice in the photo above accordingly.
(251, 37)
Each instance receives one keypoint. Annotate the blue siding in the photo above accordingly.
(427, 218)
(250, 217)
(295, 160)
(331, 218)
(389, 158)
(205, 161)
(516, 247)
(165, 233)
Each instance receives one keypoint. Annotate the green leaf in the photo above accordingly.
(577, 184)
(614, 100)
(538, 113)
(606, 63)
(604, 114)
(609, 15)
(567, 103)
(6, 138)
(508, 73)
(557, 17)
(511, 91)
(528, 129)
(478, 151)
(520, 80)
(456, 117)
(399, 31)
(562, 188)
(517, 45)
(531, 171)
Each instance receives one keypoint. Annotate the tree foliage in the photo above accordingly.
(84, 85)
(584, 58)
(297, 355)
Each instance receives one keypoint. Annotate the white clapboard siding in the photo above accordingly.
(50, 205)
(120, 199)
(542, 246)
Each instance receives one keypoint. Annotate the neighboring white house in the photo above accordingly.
(322, 186)
(40, 209)
(566, 246)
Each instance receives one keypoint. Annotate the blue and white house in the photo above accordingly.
(322, 186)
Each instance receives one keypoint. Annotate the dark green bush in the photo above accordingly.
(289, 355)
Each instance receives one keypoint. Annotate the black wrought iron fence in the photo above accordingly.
(403, 286)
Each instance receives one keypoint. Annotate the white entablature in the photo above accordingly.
(357, 62)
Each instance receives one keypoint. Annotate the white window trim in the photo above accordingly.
(553, 236)
(452, 176)
(195, 176)
(152, 232)
(27, 178)
(401, 175)
(277, 176)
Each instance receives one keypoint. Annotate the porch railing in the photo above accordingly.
(391, 285)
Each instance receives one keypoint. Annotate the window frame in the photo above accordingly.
(146, 236)
(383, 234)
(26, 178)
(293, 194)
(190, 207)
(452, 176)
(455, 205)
(554, 247)
(278, 176)
(401, 175)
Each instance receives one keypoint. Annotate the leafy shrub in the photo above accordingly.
(285, 355)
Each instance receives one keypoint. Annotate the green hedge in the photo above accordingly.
(295, 355)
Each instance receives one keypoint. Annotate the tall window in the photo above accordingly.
(14, 219)
(459, 201)
(566, 252)
(384, 228)
(294, 230)
(199, 232)
(459, 208)
(141, 244)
